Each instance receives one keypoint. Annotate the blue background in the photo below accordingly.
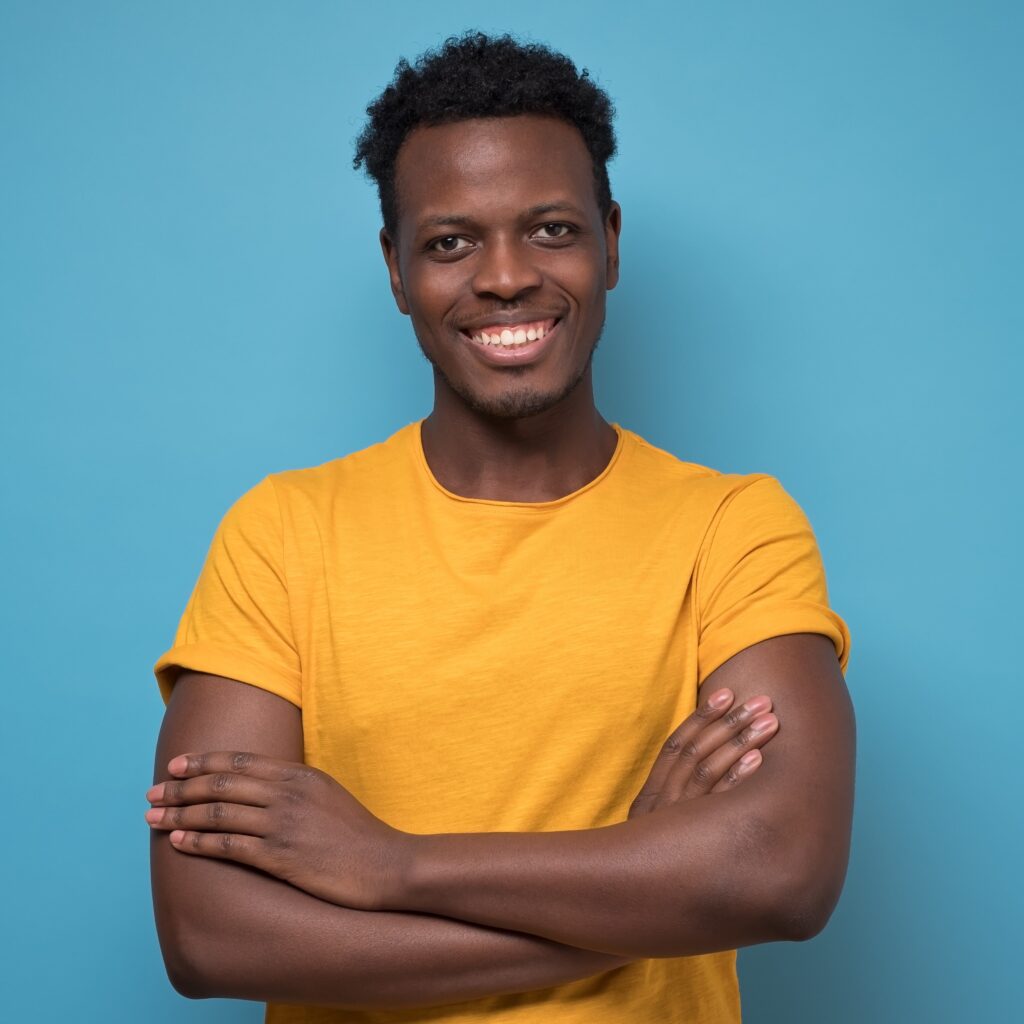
(821, 279)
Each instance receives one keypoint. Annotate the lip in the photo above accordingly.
(517, 355)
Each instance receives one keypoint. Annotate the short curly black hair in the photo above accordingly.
(476, 75)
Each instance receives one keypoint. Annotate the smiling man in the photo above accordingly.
(466, 726)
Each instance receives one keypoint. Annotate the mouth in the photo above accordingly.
(512, 344)
(511, 335)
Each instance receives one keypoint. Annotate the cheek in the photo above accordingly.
(431, 296)
(583, 277)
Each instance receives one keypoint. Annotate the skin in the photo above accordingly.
(530, 433)
(709, 860)
(212, 913)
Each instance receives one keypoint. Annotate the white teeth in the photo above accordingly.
(507, 337)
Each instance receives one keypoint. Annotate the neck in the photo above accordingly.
(537, 458)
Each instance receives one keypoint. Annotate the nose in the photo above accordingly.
(506, 269)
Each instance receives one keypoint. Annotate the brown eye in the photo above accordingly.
(555, 230)
(450, 243)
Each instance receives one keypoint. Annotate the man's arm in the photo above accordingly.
(228, 930)
(761, 862)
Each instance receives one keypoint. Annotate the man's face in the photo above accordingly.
(502, 258)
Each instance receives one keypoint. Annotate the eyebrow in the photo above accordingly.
(463, 220)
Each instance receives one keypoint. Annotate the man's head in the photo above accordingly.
(477, 76)
(500, 234)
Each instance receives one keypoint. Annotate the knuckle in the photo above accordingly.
(279, 842)
(688, 750)
(303, 775)
(226, 842)
(216, 812)
(221, 782)
(242, 760)
(702, 773)
(197, 840)
(731, 778)
(734, 718)
(177, 815)
(293, 795)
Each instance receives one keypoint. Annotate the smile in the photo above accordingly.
(512, 335)
(520, 344)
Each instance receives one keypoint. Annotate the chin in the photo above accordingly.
(515, 404)
(518, 400)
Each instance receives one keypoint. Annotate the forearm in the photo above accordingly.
(250, 936)
(688, 879)
(755, 864)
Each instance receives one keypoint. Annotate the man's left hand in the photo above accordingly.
(290, 820)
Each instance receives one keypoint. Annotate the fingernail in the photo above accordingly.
(763, 724)
(757, 704)
(155, 793)
(177, 835)
(178, 765)
(156, 814)
(751, 759)
(720, 699)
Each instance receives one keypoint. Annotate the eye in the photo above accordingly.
(449, 243)
(553, 230)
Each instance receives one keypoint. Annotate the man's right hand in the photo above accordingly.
(714, 749)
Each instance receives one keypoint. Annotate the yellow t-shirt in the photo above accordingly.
(468, 665)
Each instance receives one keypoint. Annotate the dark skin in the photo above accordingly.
(480, 182)
(481, 241)
(212, 912)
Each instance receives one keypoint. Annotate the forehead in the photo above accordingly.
(488, 167)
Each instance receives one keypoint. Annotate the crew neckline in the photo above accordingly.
(416, 442)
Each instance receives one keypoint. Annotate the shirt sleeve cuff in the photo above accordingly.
(752, 625)
(219, 661)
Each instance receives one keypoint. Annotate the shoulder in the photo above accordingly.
(692, 482)
(359, 473)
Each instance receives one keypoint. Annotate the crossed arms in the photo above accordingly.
(483, 914)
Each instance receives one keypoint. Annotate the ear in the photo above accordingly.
(612, 230)
(390, 250)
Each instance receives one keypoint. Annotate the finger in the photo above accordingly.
(741, 770)
(236, 762)
(238, 789)
(709, 771)
(681, 739)
(216, 817)
(223, 846)
(716, 734)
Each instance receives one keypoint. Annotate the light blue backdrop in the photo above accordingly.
(822, 274)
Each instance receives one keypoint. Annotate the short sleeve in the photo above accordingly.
(237, 622)
(761, 575)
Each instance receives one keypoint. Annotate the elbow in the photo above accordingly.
(186, 963)
(803, 902)
(187, 976)
(801, 868)
(802, 917)
(186, 981)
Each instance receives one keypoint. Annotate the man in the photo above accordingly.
(423, 746)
